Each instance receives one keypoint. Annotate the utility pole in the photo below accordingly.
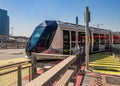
(87, 42)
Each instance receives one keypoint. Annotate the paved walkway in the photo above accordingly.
(104, 63)
(99, 79)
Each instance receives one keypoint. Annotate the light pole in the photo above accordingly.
(12, 31)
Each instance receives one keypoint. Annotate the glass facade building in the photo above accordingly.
(4, 23)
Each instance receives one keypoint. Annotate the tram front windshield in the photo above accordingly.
(42, 37)
(36, 34)
(35, 37)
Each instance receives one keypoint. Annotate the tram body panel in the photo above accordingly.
(57, 43)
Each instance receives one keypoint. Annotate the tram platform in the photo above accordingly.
(104, 63)
(104, 70)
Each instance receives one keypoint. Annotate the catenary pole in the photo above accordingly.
(87, 41)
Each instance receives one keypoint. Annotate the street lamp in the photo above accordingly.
(12, 31)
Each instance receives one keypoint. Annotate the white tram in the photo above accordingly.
(56, 37)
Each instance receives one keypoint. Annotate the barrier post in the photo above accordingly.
(34, 63)
(19, 76)
(29, 74)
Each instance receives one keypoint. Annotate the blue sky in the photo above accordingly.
(25, 15)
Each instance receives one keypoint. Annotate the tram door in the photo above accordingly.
(66, 42)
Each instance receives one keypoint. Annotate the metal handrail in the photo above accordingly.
(53, 74)
(16, 69)
(13, 70)
(116, 51)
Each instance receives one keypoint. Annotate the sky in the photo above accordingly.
(25, 15)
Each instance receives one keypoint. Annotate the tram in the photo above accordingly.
(56, 37)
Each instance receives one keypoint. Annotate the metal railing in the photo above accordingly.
(57, 72)
(14, 45)
(116, 51)
(53, 74)
(12, 42)
(16, 74)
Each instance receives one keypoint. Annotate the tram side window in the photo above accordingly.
(73, 36)
(115, 39)
(66, 42)
(102, 39)
(96, 38)
(66, 37)
(107, 39)
(81, 38)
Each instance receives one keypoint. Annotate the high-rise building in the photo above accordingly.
(4, 23)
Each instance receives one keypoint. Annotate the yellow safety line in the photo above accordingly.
(104, 63)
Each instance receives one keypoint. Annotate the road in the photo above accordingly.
(6, 54)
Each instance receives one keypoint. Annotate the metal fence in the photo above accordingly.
(12, 42)
(15, 45)
(116, 51)
(17, 74)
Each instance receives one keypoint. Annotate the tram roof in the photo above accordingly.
(72, 25)
(82, 27)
